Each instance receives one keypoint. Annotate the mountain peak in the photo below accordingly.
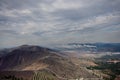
(32, 48)
(25, 45)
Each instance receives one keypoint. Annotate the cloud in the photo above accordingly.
(7, 32)
(58, 21)
(61, 4)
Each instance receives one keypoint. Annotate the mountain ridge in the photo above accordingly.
(35, 58)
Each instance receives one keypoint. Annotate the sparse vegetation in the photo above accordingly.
(11, 78)
(43, 75)
(110, 69)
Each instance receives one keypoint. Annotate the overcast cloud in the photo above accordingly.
(46, 22)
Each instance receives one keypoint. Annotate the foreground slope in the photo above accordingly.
(40, 60)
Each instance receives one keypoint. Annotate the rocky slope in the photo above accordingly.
(35, 58)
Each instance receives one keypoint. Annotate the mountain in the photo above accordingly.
(23, 55)
(40, 61)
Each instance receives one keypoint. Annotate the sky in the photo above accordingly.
(49, 22)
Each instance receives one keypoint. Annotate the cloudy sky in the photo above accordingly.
(48, 22)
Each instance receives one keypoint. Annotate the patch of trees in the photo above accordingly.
(11, 78)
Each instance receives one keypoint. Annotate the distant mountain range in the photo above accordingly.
(93, 47)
